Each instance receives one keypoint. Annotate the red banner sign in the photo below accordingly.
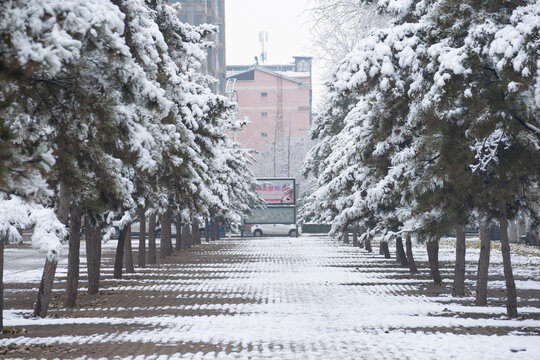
(277, 191)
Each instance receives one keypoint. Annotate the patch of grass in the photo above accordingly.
(11, 330)
(525, 250)
(519, 249)
(475, 244)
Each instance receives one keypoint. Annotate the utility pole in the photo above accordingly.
(289, 149)
(274, 147)
(279, 115)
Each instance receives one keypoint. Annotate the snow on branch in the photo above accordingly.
(487, 150)
(50, 33)
(17, 214)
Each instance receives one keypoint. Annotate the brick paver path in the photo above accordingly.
(269, 298)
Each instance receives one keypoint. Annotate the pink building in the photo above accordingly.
(276, 99)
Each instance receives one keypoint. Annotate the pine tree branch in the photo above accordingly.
(529, 127)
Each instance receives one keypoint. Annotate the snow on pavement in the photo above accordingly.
(305, 298)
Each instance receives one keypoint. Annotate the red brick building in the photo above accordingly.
(276, 99)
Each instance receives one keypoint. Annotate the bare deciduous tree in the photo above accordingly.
(337, 26)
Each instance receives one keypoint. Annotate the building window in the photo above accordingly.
(198, 20)
(264, 98)
(263, 94)
(303, 66)
(264, 114)
(264, 134)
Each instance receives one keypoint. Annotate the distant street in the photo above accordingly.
(22, 263)
(276, 298)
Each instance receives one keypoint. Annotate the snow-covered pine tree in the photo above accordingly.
(87, 117)
(223, 183)
(171, 52)
(112, 92)
(33, 53)
(504, 132)
(441, 60)
(234, 183)
(485, 95)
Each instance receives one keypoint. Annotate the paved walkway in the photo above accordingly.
(278, 298)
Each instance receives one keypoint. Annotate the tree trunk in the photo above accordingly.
(183, 236)
(45, 288)
(165, 234)
(385, 249)
(361, 231)
(169, 243)
(92, 234)
(214, 226)
(186, 236)
(196, 235)
(346, 235)
(1, 285)
(118, 260)
(368, 244)
(355, 236)
(72, 283)
(179, 237)
(459, 272)
(64, 201)
(511, 296)
(47, 279)
(206, 230)
(191, 235)
(483, 266)
(128, 253)
(381, 251)
(410, 258)
(152, 239)
(433, 257)
(142, 239)
(400, 253)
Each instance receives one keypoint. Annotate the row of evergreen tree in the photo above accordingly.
(432, 124)
(105, 114)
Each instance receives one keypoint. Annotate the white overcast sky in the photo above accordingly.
(285, 22)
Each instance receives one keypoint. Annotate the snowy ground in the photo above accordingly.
(24, 264)
(281, 298)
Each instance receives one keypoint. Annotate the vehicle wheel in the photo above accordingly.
(258, 233)
(293, 233)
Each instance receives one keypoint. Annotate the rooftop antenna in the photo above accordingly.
(263, 38)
